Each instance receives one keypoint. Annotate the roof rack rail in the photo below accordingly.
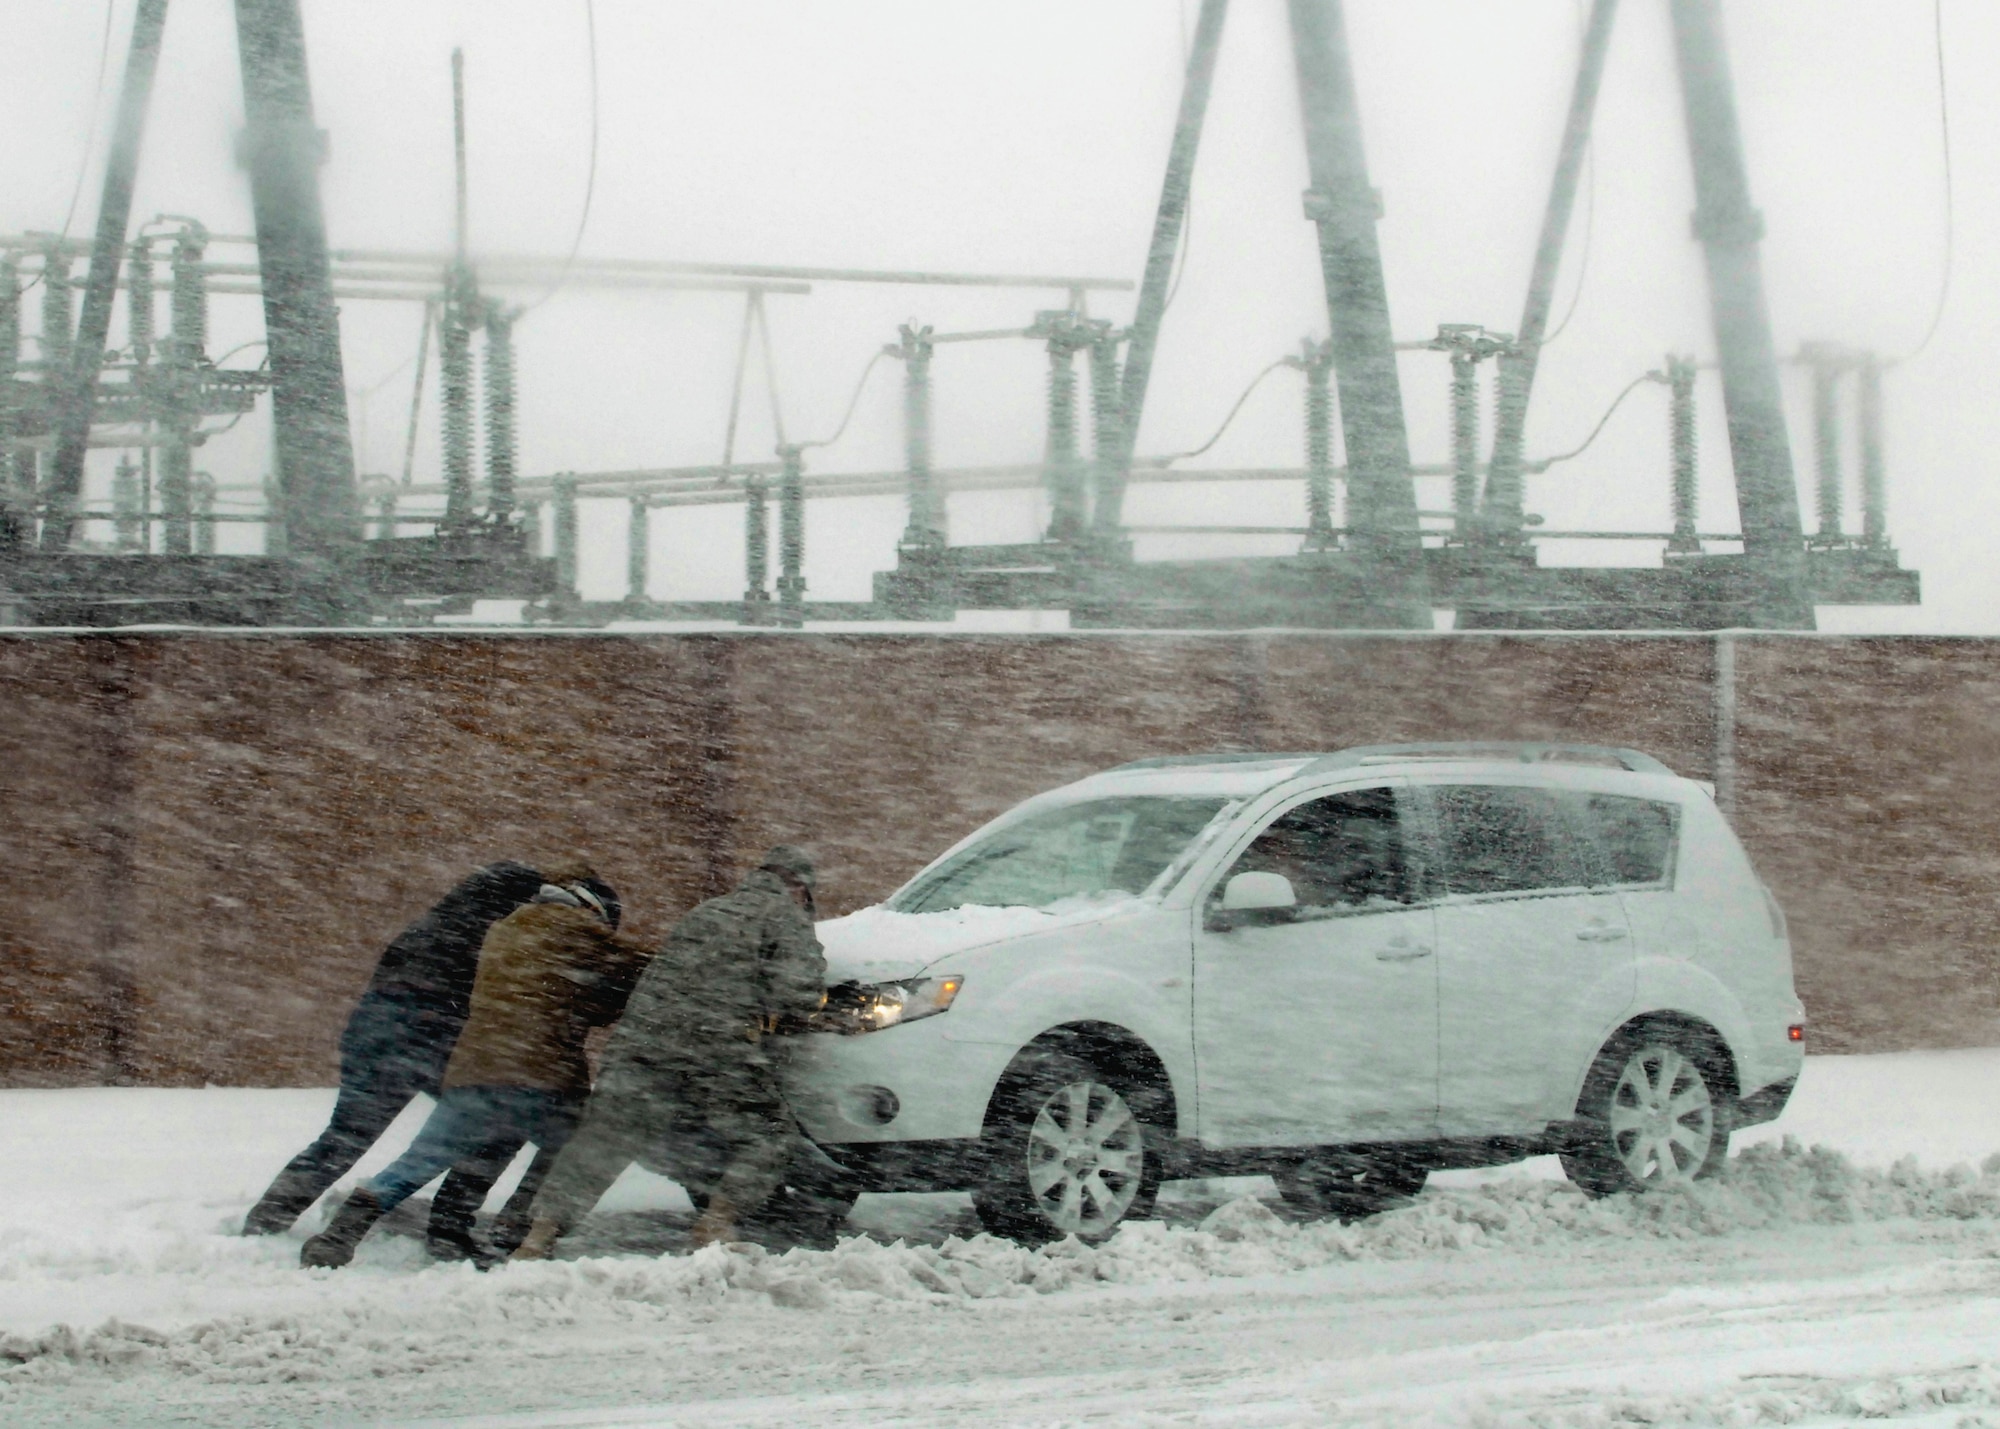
(1523, 751)
(1234, 756)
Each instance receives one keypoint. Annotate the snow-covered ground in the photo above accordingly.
(1846, 1268)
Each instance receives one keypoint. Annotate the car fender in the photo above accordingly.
(1041, 1000)
(1677, 987)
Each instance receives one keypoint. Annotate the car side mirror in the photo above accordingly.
(1255, 892)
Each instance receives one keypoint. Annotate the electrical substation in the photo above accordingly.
(392, 550)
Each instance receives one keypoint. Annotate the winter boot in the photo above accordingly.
(284, 1203)
(717, 1223)
(539, 1243)
(454, 1243)
(335, 1245)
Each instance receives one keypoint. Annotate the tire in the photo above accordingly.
(1066, 1152)
(1651, 1116)
(1349, 1185)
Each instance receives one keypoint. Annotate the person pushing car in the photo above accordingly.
(692, 1048)
(395, 1046)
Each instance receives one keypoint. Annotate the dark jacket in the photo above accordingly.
(428, 969)
(547, 974)
(726, 969)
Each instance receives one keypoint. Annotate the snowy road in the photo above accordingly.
(1815, 1288)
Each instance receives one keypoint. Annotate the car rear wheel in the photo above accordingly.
(1350, 1185)
(1649, 1117)
(1066, 1153)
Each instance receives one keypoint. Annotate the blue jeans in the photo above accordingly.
(467, 1120)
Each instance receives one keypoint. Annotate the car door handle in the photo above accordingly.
(1400, 950)
(1601, 933)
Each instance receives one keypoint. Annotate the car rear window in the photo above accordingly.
(1633, 840)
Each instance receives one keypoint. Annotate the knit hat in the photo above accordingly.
(791, 863)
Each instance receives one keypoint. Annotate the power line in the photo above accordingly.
(852, 404)
(89, 137)
(1255, 382)
(1589, 213)
(590, 180)
(1944, 140)
(1546, 462)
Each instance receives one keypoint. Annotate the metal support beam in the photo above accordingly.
(1504, 491)
(75, 389)
(756, 553)
(1144, 334)
(1729, 229)
(283, 148)
(1874, 478)
(1680, 436)
(791, 538)
(1381, 498)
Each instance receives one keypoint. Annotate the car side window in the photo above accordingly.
(1504, 838)
(1632, 841)
(1341, 852)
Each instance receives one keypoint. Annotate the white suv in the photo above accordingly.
(1345, 970)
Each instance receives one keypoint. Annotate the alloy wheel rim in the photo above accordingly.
(1086, 1158)
(1662, 1117)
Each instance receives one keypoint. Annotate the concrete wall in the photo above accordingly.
(209, 837)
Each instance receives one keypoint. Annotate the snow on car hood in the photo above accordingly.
(878, 944)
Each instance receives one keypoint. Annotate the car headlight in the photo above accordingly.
(889, 1004)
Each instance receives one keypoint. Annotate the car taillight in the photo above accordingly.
(1796, 1032)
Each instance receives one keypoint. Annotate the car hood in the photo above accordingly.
(880, 945)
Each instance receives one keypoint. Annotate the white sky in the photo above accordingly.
(1030, 137)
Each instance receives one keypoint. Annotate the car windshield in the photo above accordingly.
(1081, 850)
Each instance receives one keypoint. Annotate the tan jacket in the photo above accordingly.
(548, 973)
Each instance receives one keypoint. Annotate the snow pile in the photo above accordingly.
(385, 1318)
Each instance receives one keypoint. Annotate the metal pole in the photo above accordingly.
(1729, 229)
(926, 529)
(455, 379)
(16, 503)
(1381, 498)
(1874, 478)
(204, 509)
(1680, 435)
(756, 553)
(1106, 418)
(1144, 334)
(1826, 444)
(177, 492)
(500, 433)
(1464, 443)
(791, 538)
(125, 504)
(638, 554)
(1061, 460)
(1517, 368)
(565, 538)
(1316, 360)
(75, 391)
(315, 453)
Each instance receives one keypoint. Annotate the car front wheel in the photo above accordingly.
(1649, 1117)
(1066, 1154)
